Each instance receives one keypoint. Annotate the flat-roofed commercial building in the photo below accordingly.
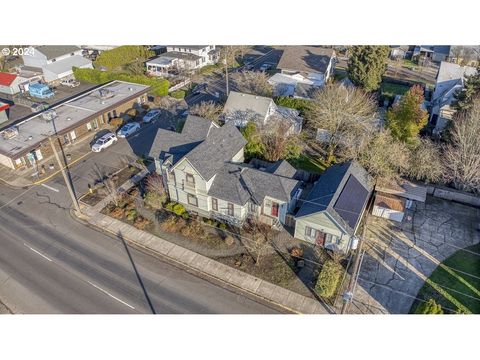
(26, 144)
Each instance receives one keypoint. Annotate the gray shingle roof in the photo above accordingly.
(239, 183)
(243, 106)
(219, 147)
(342, 191)
(53, 51)
(167, 142)
(282, 168)
(305, 58)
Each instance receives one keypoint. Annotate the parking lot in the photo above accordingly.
(400, 257)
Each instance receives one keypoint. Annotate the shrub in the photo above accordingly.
(301, 105)
(296, 252)
(158, 86)
(179, 209)
(141, 223)
(229, 240)
(132, 215)
(155, 200)
(429, 307)
(117, 122)
(193, 229)
(117, 212)
(122, 55)
(185, 215)
(173, 224)
(222, 226)
(132, 112)
(328, 279)
(170, 206)
(178, 94)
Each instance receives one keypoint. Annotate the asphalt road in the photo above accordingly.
(51, 263)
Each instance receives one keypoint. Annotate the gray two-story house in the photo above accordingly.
(203, 169)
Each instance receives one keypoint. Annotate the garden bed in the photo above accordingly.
(99, 193)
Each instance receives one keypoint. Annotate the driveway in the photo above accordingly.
(399, 257)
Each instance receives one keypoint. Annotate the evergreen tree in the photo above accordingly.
(464, 98)
(366, 66)
(406, 118)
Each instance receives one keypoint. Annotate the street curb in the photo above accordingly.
(276, 295)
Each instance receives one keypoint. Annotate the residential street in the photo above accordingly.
(51, 263)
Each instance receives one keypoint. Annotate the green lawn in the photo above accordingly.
(391, 89)
(307, 163)
(464, 279)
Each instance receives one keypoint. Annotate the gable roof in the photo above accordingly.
(218, 148)
(7, 79)
(306, 58)
(241, 104)
(53, 51)
(176, 145)
(282, 168)
(65, 65)
(239, 183)
(342, 191)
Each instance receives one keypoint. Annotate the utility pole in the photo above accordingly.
(226, 72)
(348, 295)
(65, 177)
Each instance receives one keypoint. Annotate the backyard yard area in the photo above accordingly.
(390, 89)
(455, 283)
(308, 163)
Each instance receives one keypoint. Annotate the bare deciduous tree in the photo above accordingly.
(344, 113)
(462, 155)
(384, 156)
(277, 142)
(258, 243)
(207, 109)
(425, 162)
(254, 82)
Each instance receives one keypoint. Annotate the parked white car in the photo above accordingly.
(70, 83)
(151, 115)
(104, 142)
(128, 129)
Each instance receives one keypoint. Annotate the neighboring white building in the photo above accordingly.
(14, 83)
(241, 108)
(182, 57)
(304, 69)
(450, 79)
(389, 207)
(56, 62)
(203, 169)
(3, 112)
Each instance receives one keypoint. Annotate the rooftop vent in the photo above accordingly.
(69, 118)
(130, 89)
(30, 137)
(106, 93)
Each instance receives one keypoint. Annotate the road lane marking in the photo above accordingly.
(50, 188)
(112, 296)
(37, 252)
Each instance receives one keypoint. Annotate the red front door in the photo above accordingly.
(320, 238)
(275, 209)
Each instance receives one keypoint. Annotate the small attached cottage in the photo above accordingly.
(331, 214)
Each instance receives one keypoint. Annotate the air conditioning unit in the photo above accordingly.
(106, 93)
(10, 133)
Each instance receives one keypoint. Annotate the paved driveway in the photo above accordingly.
(399, 257)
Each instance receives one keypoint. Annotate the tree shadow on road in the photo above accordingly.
(137, 274)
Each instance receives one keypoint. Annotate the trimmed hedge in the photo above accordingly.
(178, 94)
(328, 279)
(159, 86)
(301, 105)
(122, 55)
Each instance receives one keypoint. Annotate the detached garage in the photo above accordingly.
(389, 207)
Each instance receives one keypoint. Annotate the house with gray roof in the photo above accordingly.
(450, 80)
(55, 61)
(332, 211)
(202, 168)
(241, 108)
(304, 69)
